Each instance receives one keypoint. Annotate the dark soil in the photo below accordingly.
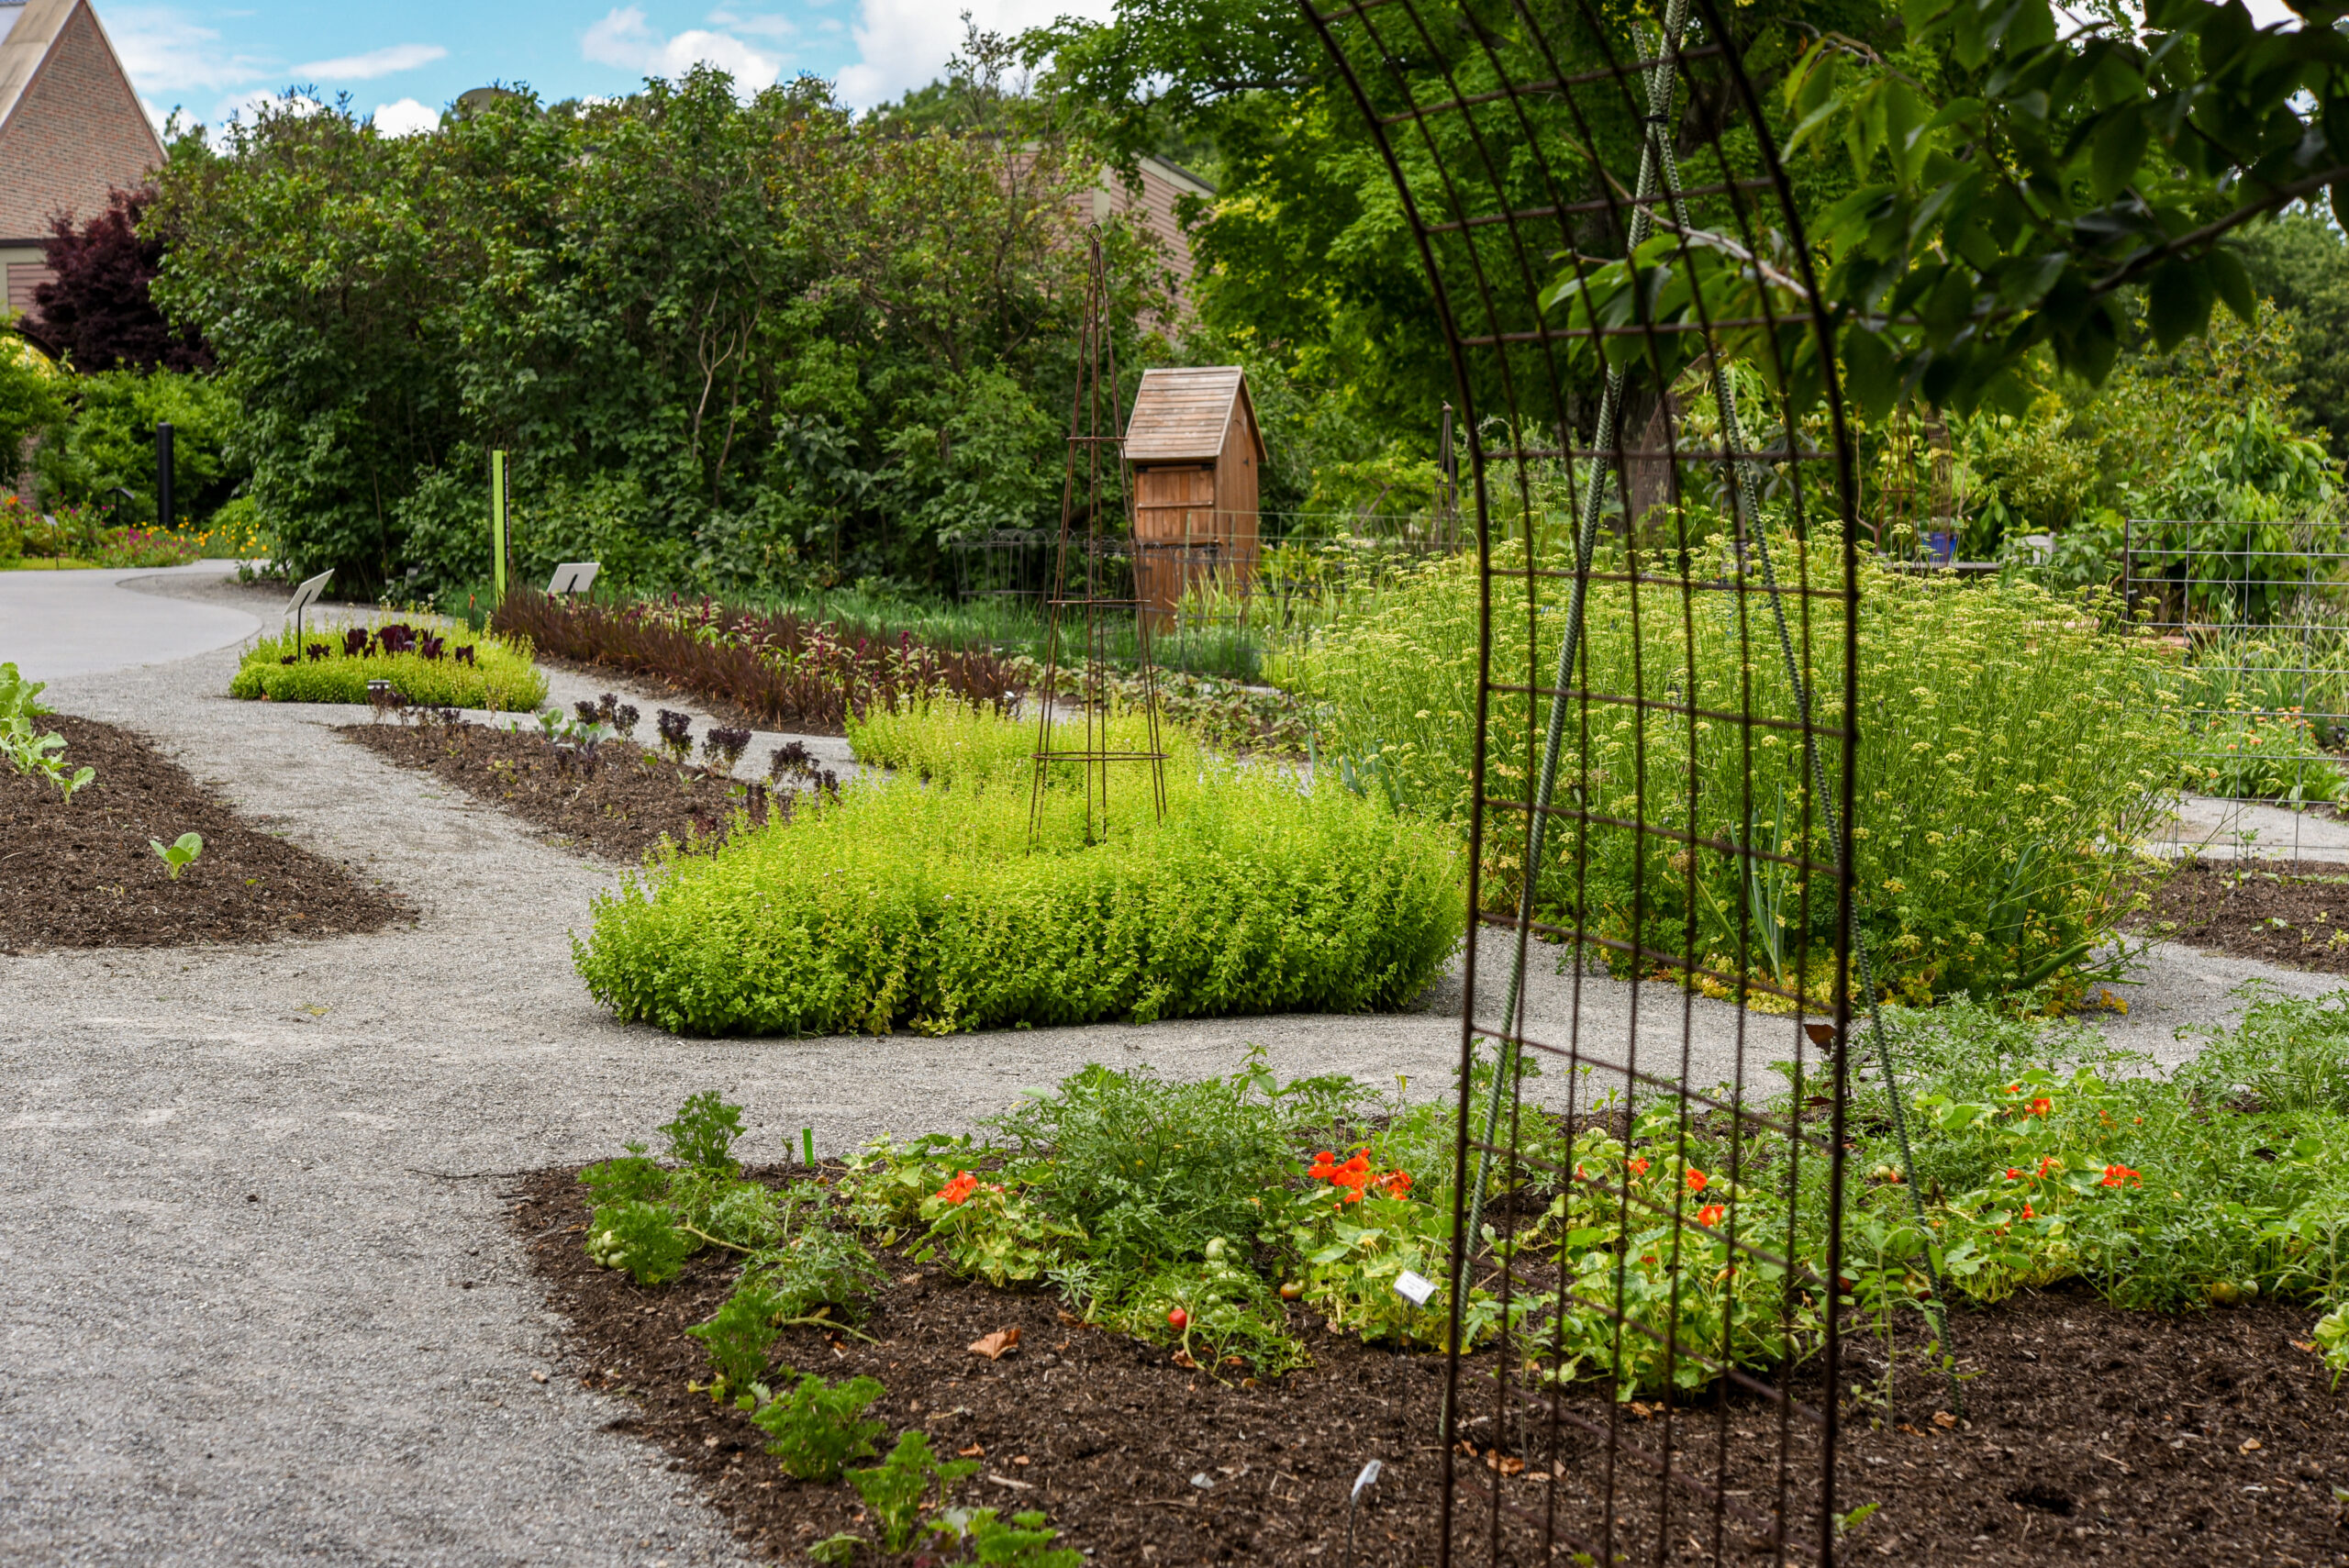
(2090, 1432)
(619, 807)
(80, 873)
(2295, 913)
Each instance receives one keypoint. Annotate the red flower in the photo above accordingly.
(961, 1186)
(1711, 1214)
(2121, 1176)
(1637, 1167)
(1697, 1180)
(2013, 1174)
(2040, 1106)
(2026, 1213)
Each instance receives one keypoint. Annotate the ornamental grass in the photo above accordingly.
(2012, 741)
(920, 905)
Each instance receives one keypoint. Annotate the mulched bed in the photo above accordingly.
(80, 873)
(656, 687)
(618, 808)
(2294, 913)
(2089, 1432)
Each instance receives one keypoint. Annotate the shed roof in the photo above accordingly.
(1181, 414)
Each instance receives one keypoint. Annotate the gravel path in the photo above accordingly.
(262, 1306)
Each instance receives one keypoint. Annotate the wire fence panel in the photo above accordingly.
(2259, 615)
(1647, 1235)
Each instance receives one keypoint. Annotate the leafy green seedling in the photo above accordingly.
(180, 853)
(638, 1238)
(894, 1492)
(704, 1132)
(741, 1334)
(1025, 1542)
(630, 1178)
(817, 1427)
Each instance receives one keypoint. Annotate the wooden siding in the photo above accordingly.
(23, 278)
(1196, 450)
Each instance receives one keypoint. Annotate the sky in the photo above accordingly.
(404, 63)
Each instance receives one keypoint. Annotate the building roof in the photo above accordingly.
(1181, 414)
(71, 128)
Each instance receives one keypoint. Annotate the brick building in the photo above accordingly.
(71, 130)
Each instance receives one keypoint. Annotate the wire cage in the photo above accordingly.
(2259, 615)
(1090, 595)
(1642, 1305)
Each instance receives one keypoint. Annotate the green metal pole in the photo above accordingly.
(498, 521)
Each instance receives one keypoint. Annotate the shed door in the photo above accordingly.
(1174, 504)
(1174, 538)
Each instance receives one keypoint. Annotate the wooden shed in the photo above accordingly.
(1195, 451)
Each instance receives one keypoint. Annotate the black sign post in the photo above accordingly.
(162, 475)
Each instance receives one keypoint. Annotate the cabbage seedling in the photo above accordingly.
(182, 853)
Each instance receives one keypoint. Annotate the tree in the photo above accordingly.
(728, 344)
(2301, 262)
(97, 307)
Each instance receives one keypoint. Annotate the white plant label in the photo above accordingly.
(1415, 1288)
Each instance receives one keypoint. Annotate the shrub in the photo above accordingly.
(903, 905)
(433, 664)
(2010, 740)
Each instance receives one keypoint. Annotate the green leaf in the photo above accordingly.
(2177, 303)
(1871, 375)
(2233, 280)
(2118, 150)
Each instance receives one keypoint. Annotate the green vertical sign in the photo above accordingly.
(497, 520)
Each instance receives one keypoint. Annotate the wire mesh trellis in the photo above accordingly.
(1087, 597)
(1643, 1302)
(2259, 613)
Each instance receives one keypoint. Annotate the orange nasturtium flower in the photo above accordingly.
(1697, 1180)
(961, 1186)
(1637, 1167)
(2121, 1176)
(1711, 1214)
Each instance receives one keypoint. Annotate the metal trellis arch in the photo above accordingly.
(1644, 1320)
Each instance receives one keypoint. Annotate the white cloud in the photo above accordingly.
(904, 44)
(406, 117)
(376, 62)
(164, 52)
(621, 39)
(759, 27)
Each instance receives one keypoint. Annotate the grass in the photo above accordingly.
(498, 674)
(921, 906)
(2009, 742)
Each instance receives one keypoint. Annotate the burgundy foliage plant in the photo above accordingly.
(97, 307)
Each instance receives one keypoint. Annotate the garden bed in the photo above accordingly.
(2090, 1431)
(2294, 913)
(778, 672)
(627, 802)
(81, 873)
